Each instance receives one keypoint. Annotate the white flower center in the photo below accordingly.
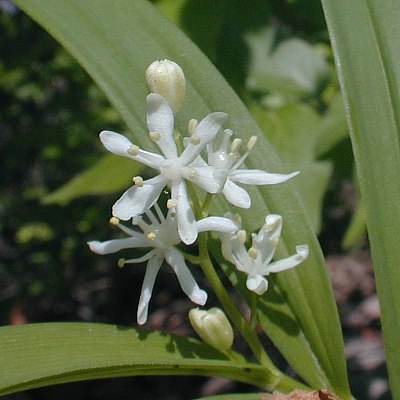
(171, 168)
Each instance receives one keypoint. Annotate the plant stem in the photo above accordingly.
(229, 306)
(253, 310)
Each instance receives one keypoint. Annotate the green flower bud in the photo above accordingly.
(213, 327)
(167, 79)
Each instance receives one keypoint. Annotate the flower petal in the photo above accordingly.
(209, 178)
(112, 246)
(218, 224)
(187, 227)
(138, 199)
(188, 284)
(236, 195)
(257, 283)
(259, 177)
(119, 145)
(205, 131)
(287, 263)
(153, 266)
(160, 118)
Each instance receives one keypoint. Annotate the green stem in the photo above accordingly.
(229, 306)
(253, 310)
(206, 205)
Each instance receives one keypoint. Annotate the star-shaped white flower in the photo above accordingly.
(173, 168)
(227, 160)
(160, 233)
(256, 261)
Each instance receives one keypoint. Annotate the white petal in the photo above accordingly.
(112, 246)
(257, 284)
(188, 284)
(119, 145)
(136, 200)
(209, 178)
(153, 266)
(206, 131)
(287, 263)
(115, 143)
(187, 227)
(259, 177)
(161, 119)
(236, 195)
(218, 224)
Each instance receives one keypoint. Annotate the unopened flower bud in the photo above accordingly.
(167, 79)
(213, 327)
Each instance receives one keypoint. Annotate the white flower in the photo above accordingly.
(161, 235)
(256, 261)
(227, 160)
(173, 168)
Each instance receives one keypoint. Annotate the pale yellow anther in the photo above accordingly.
(114, 221)
(171, 203)
(151, 236)
(253, 252)
(192, 174)
(235, 146)
(138, 181)
(252, 142)
(237, 218)
(241, 235)
(133, 150)
(195, 139)
(192, 125)
(155, 136)
(121, 262)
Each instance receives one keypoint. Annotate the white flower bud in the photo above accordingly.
(167, 79)
(213, 327)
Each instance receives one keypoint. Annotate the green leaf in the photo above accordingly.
(116, 51)
(50, 353)
(237, 396)
(293, 130)
(108, 175)
(367, 52)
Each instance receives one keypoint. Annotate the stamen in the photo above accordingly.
(114, 221)
(138, 181)
(172, 203)
(155, 136)
(235, 146)
(121, 263)
(237, 218)
(133, 150)
(192, 125)
(253, 252)
(151, 236)
(225, 141)
(252, 142)
(195, 139)
(192, 174)
(275, 241)
(241, 235)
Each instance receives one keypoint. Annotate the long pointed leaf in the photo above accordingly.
(365, 38)
(115, 43)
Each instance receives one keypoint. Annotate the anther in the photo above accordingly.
(241, 235)
(192, 174)
(138, 181)
(114, 221)
(236, 143)
(195, 139)
(151, 236)
(155, 136)
(253, 252)
(192, 125)
(121, 262)
(252, 142)
(133, 150)
(171, 203)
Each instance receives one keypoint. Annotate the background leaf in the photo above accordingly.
(365, 43)
(116, 51)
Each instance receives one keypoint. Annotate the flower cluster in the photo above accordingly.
(214, 168)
